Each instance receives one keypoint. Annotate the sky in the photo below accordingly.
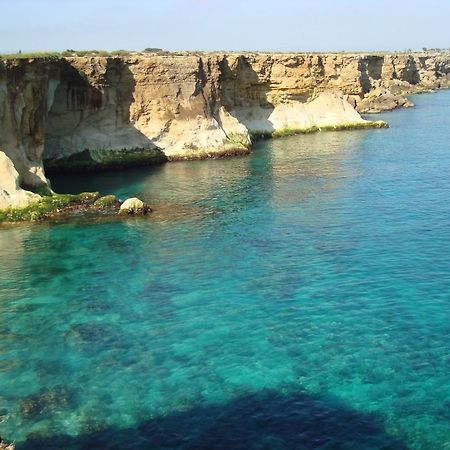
(264, 25)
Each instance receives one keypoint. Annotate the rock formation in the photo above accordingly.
(134, 206)
(93, 112)
(11, 194)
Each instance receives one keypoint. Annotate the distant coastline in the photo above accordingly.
(98, 111)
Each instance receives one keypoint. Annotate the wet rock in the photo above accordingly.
(5, 446)
(106, 201)
(134, 206)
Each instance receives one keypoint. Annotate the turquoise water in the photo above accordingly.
(298, 298)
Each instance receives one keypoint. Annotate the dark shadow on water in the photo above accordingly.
(265, 420)
(105, 182)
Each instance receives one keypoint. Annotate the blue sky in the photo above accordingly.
(284, 25)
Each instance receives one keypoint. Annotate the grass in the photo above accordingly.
(32, 55)
(46, 206)
(55, 55)
(76, 53)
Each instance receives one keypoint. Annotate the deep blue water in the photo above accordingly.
(298, 298)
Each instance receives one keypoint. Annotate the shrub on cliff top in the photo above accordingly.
(31, 55)
(152, 50)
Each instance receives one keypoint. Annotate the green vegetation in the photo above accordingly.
(356, 126)
(90, 160)
(42, 190)
(47, 206)
(106, 201)
(32, 55)
(237, 139)
(69, 53)
(293, 131)
(235, 144)
(192, 152)
(152, 50)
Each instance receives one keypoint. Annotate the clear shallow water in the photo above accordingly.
(296, 298)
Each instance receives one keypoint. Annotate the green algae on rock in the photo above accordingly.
(95, 160)
(340, 127)
(49, 206)
(89, 204)
(106, 201)
(226, 151)
(287, 131)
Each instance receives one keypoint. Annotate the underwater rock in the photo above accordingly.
(44, 401)
(91, 334)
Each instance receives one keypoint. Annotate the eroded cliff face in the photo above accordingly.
(25, 97)
(93, 111)
(11, 194)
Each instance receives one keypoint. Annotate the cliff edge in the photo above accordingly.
(93, 112)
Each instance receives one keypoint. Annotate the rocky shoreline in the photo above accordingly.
(53, 207)
(95, 113)
(5, 446)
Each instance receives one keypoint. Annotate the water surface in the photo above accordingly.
(295, 298)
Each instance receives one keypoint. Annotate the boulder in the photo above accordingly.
(134, 206)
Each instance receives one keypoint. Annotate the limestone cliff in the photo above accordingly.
(104, 111)
(11, 194)
(25, 98)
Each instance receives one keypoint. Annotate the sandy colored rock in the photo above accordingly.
(133, 206)
(26, 89)
(5, 446)
(89, 112)
(11, 194)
